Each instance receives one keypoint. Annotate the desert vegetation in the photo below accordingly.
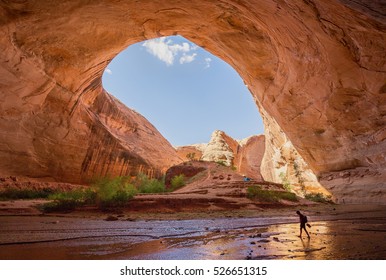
(177, 182)
(318, 197)
(102, 193)
(11, 193)
(257, 192)
(285, 181)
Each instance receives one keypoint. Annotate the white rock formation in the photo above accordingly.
(218, 149)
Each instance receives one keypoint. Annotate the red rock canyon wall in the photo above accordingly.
(316, 67)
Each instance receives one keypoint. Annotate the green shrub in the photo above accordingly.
(16, 193)
(58, 206)
(177, 182)
(74, 195)
(286, 183)
(299, 176)
(287, 196)
(152, 186)
(191, 156)
(67, 201)
(221, 162)
(318, 197)
(104, 193)
(146, 185)
(113, 192)
(256, 192)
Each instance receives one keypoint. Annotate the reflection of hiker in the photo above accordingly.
(306, 245)
(303, 222)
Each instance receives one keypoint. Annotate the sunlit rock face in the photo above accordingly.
(221, 148)
(244, 156)
(282, 162)
(317, 68)
(191, 152)
(249, 156)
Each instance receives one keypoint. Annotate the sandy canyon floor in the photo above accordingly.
(338, 232)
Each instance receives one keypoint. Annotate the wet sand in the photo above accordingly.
(338, 232)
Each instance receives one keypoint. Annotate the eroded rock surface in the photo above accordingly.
(249, 157)
(245, 156)
(282, 162)
(191, 152)
(316, 67)
(221, 148)
(279, 163)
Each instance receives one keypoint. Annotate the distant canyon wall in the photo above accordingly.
(279, 162)
(245, 156)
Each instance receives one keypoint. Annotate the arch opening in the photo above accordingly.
(184, 91)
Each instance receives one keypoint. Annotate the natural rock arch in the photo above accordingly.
(315, 68)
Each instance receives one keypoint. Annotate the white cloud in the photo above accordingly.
(160, 49)
(208, 60)
(187, 58)
(108, 71)
(164, 49)
(185, 47)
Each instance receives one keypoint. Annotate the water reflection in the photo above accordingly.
(306, 244)
(359, 239)
(329, 240)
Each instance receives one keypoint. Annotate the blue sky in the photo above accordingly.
(183, 90)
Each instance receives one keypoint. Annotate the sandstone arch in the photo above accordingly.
(316, 69)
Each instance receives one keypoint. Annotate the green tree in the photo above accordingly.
(286, 183)
(177, 181)
(299, 176)
(191, 156)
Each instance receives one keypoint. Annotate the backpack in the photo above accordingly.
(304, 218)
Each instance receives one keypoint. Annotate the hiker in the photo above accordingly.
(303, 222)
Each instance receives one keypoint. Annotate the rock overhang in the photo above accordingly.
(311, 67)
